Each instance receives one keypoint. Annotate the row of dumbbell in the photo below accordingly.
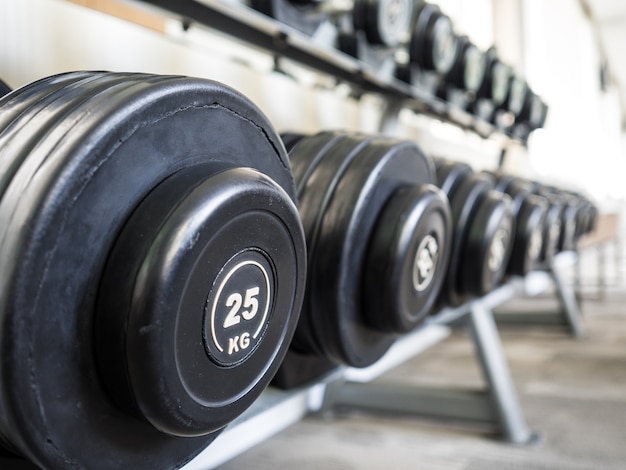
(393, 237)
(414, 41)
(155, 236)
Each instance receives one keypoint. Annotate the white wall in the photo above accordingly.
(582, 144)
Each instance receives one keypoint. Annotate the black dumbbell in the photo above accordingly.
(552, 227)
(433, 42)
(432, 49)
(385, 23)
(378, 237)
(153, 267)
(589, 217)
(465, 76)
(374, 30)
(530, 212)
(532, 115)
(494, 90)
(483, 231)
(569, 216)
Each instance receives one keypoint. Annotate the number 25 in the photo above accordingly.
(235, 302)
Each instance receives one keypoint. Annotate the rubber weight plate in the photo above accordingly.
(406, 259)
(450, 175)
(483, 227)
(551, 230)
(152, 213)
(433, 42)
(368, 174)
(316, 183)
(384, 22)
(569, 223)
(489, 244)
(529, 235)
(468, 69)
(463, 197)
(497, 82)
(529, 212)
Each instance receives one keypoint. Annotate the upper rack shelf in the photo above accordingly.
(424, 89)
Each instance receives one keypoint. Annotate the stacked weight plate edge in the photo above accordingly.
(364, 175)
(482, 232)
(316, 183)
(311, 190)
(450, 177)
(305, 361)
(490, 241)
(529, 212)
(79, 166)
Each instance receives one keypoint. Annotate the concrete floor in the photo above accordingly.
(573, 392)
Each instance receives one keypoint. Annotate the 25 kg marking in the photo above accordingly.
(236, 301)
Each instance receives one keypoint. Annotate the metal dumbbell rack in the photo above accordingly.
(495, 406)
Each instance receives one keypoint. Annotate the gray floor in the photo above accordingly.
(573, 393)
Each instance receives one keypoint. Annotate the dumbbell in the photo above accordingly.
(552, 227)
(586, 213)
(588, 217)
(378, 239)
(569, 217)
(464, 78)
(432, 50)
(528, 111)
(531, 116)
(494, 90)
(374, 30)
(153, 267)
(530, 212)
(484, 227)
(4, 89)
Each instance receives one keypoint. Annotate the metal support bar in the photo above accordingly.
(390, 116)
(495, 369)
(531, 318)
(274, 411)
(568, 315)
(498, 406)
(465, 405)
(567, 296)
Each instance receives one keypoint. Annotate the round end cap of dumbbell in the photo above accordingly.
(501, 75)
(204, 268)
(433, 42)
(538, 112)
(529, 239)
(474, 67)
(442, 45)
(408, 258)
(518, 95)
(489, 244)
(385, 22)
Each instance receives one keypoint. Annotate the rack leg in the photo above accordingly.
(567, 296)
(497, 406)
(500, 384)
